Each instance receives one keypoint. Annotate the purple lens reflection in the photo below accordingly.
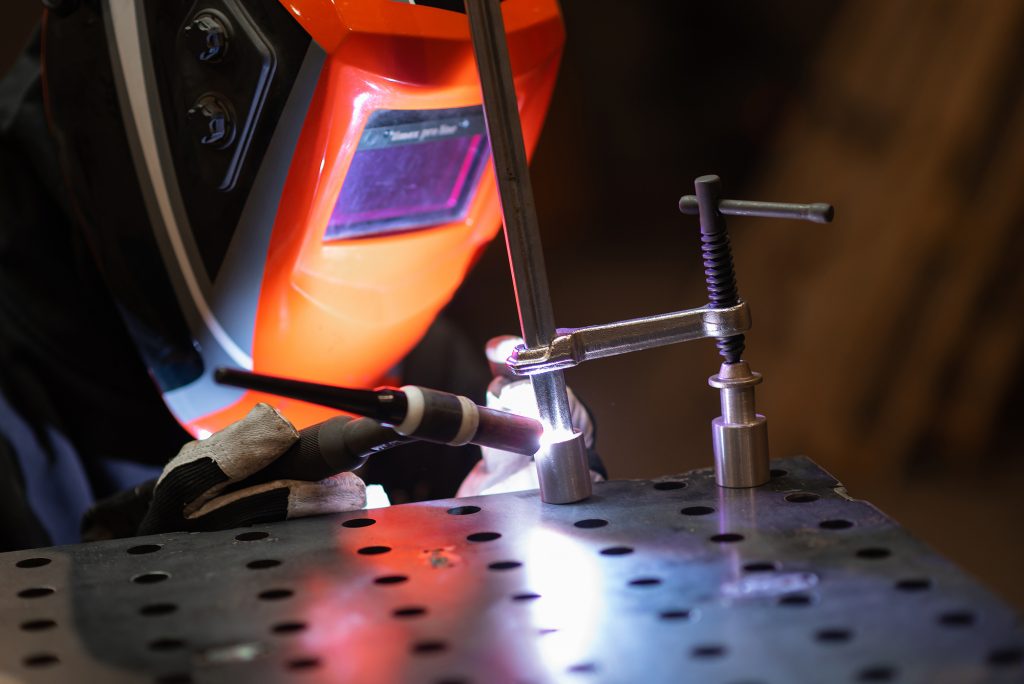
(413, 169)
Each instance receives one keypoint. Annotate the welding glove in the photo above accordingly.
(503, 471)
(204, 487)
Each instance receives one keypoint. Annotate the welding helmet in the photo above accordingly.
(295, 187)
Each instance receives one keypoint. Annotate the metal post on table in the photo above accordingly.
(562, 464)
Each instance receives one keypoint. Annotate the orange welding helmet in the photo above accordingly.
(295, 187)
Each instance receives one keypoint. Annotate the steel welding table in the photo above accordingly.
(672, 580)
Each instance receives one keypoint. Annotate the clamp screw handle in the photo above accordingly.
(719, 273)
(819, 212)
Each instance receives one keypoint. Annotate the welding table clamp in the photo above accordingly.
(740, 434)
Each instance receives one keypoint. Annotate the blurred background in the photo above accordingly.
(889, 340)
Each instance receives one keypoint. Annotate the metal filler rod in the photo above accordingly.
(562, 464)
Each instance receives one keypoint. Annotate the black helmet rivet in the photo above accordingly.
(206, 36)
(210, 120)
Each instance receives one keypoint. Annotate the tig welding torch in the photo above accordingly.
(391, 416)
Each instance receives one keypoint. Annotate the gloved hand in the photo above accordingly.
(502, 471)
(204, 487)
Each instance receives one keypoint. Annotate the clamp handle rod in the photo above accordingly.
(819, 212)
(562, 469)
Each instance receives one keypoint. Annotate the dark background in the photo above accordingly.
(890, 340)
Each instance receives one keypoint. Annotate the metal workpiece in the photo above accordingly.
(562, 467)
(573, 346)
(665, 581)
(556, 483)
(522, 236)
(740, 434)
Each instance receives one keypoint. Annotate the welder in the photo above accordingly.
(290, 188)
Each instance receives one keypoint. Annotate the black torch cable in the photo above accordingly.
(387, 406)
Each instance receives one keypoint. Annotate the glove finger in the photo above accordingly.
(230, 455)
(280, 500)
(336, 494)
(269, 503)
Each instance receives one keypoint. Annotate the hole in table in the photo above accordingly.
(275, 594)
(429, 646)
(409, 611)
(464, 510)
(644, 582)
(359, 522)
(726, 538)
(760, 566)
(582, 668)
(288, 627)
(505, 565)
(590, 523)
(674, 615)
(174, 678)
(802, 497)
(833, 635)
(957, 618)
(778, 472)
(483, 536)
(143, 548)
(1002, 657)
(877, 673)
(155, 609)
(835, 524)
(166, 644)
(40, 660)
(391, 579)
(38, 625)
(668, 486)
(525, 596)
(874, 553)
(251, 536)
(150, 577)
(35, 592)
(708, 651)
(796, 600)
(32, 562)
(914, 584)
(373, 550)
(262, 564)
(697, 510)
(616, 551)
(305, 663)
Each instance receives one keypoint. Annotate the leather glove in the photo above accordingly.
(502, 471)
(214, 484)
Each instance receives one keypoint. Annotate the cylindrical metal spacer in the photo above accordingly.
(740, 434)
(560, 484)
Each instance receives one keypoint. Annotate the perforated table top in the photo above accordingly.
(674, 580)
